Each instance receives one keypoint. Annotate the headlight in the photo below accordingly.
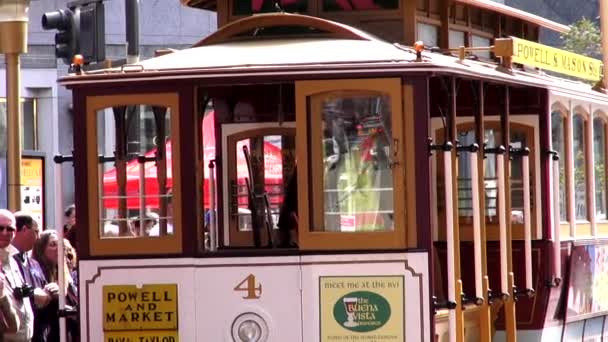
(249, 327)
(250, 331)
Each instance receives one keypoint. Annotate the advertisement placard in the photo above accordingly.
(132, 313)
(32, 187)
(362, 308)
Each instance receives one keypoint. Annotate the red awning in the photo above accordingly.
(272, 165)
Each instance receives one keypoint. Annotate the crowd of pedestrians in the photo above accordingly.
(29, 280)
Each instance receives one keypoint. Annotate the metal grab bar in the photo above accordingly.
(527, 223)
(449, 213)
(556, 222)
(502, 222)
(212, 208)
(476, 229)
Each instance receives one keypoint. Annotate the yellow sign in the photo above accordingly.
(548, 58)
(366, 308)
(32, 187)
(152, 307)
(142, 336)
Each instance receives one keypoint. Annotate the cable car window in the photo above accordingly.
(135, 178)
(266, 157)
(356, 162)
(558, 142)
(521, 136)
(580, 168)
(359, 5)
(247, 7)
(599, 159)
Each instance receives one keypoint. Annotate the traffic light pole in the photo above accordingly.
(13, 42)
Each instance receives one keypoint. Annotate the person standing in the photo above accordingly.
(43, 292)
(9, 321)
(69, 229)
(19, 295)
(46, 253)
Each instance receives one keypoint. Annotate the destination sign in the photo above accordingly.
(126, 307)
(142, 336)
(548, 58)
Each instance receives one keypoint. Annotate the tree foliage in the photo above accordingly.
(584, 38)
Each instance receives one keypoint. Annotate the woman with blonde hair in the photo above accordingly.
(46, 253)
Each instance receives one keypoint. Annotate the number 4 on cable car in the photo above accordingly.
(253, 292)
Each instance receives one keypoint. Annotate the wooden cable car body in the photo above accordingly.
(374, 243)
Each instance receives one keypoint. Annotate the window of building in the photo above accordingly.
(359, 5)
(429, 34)
(456, 39)
(29, 127)
(599, 169)
(478, 41)
(248, 7)
(579, 131)
(558, 143)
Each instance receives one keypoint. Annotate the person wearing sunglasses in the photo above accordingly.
(14, 286)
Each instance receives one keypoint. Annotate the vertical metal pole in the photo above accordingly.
(556, 221)
(527, 222)
(449, 228)
(485, 314)
(132, 29)
(142, 194)
(510, 320)
(61, 282)
(502, 222)
(455, 227)
(13, 41)
(212, 208)
(13, 90)
(476, 227)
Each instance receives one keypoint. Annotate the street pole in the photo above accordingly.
(13, 83)
(13, 42)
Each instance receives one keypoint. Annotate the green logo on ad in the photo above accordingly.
(362, 311)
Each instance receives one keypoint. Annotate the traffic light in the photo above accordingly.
(81, 30)
(66, 40)
(92, 37)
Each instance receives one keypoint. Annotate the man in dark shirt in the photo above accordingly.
(42, 292)
(288, 217)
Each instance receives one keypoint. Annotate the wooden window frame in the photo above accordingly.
(170, 244)
(582, 227)
(392, 13)
(564, 112)
(308, 151)
(601, 226)
(315, 9)
(492, 229)
(237, 237)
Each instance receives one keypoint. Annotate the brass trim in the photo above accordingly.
(13, 37)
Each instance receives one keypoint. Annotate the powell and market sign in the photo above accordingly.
(544, 57)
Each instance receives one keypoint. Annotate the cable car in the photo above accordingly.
(436, 197)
